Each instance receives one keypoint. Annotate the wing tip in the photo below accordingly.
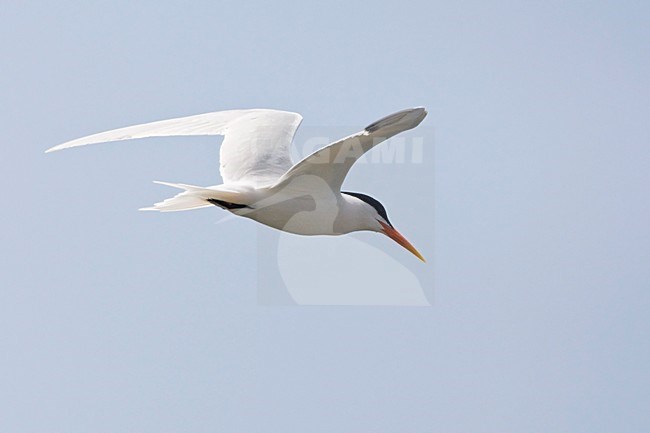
(407, 119)
(62, 146)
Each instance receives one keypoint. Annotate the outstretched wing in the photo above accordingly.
(255, 150)
(333, 162)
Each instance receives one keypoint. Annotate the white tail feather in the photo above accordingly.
(184, 186)
(193, 197)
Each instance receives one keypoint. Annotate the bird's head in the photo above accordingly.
(375, 218)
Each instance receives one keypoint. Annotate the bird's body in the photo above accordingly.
(306, 212)
(262, 183)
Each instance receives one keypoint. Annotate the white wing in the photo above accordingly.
(333, 162)
(255, 150)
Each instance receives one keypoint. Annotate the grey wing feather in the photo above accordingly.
(256, 148)
(333, 162)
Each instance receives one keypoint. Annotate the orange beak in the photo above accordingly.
(397, 237)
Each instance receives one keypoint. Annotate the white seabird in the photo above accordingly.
(260, 181)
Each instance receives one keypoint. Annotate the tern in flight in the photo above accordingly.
(262, 183)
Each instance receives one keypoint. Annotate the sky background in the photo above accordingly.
(535, 222)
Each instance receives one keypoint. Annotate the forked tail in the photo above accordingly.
(194, 197)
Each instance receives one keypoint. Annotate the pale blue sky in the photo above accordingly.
(117, 321)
